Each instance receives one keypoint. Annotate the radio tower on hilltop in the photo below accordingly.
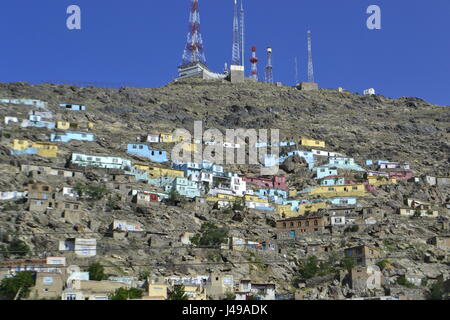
(269, 71)
(242, 32)
(310, 60)
(254, 61)
(236, 59)
(193, 51)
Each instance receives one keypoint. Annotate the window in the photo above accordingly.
(98, 159)
(316, 223)
(134, 146)
(307, 224)
(67, 206)
(89, 158)
(71, 297)
(141, 147)
(355, 188)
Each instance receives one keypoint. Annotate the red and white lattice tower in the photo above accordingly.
(194, 51)
(254, 60)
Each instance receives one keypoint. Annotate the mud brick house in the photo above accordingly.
(364, 255)
(294, 227)
(366, 278)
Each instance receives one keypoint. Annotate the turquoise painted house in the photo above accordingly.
(143, 150)
(184, 187)
(68, 136)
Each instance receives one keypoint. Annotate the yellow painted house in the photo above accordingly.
(169, 138)
(313, 207)
(285, 211)
(222, 197)
(312, 143)
(190, 147)
(292, 193)
(156, 172)
(62, 125)
(350, 190)
(44, 149)
(157, 292)
(379, 181)
(66, 125)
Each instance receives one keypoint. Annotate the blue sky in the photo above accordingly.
(140, 43)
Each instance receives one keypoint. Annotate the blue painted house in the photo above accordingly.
(68, 136)
(73, 107)
(28, 151)
(184, 187)
(193, 169)
(322, 172)
(344, 164)
(273, 160)
(274, 195)
(143, 150)
(332, 181)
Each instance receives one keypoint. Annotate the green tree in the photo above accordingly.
(174, 197)
(309, 268)
(23, 281)
(126, 294)
(210, 235)
(91, 192)
(436, 291)
(18, 247)
(238, 205)
(348, 263)
(97, 272)
(177, 293)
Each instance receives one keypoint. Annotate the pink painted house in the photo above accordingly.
(275, 182)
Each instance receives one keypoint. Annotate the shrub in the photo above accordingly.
(18, 247)
(404, 282)
(126, 294)
(347, 263)
(353, 228)
(91, 192)
(210, 235)
(23, 281)
(436, 291)
(97, 272)
(309, 268)
(177, 293)
(382, 264)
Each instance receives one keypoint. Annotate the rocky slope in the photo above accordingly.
(362, 127)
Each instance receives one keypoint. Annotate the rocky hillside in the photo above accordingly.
(363, 127)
